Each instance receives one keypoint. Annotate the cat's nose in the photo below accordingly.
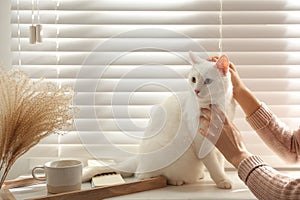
(197, 91)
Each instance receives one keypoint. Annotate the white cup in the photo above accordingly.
(61, 175)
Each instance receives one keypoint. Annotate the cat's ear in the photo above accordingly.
(223, 64)
(195, 59)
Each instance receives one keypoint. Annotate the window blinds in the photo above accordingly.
(261, 37)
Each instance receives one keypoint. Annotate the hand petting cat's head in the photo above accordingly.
(209, 80)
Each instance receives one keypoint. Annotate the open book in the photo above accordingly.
(107, 179)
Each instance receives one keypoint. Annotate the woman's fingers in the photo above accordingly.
(213, 59)
(231, 66)
(214, 115)
(218, 114)
(216, 109)
(204, 124)
(211, 124)
(206, 112)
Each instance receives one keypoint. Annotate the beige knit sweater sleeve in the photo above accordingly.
(264, 181)
(283, 141)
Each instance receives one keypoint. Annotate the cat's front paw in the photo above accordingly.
(224, 184)
(175, 182)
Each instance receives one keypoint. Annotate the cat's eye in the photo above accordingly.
(193, 79)
(207, 81)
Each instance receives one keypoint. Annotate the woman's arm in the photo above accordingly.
(283, 141)
(276, 135)
(267, 183)
(248, 102)
(263, 181)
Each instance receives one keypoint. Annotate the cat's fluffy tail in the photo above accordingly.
(126, 168)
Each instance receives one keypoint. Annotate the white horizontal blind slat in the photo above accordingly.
(187, 5)
(130, 5)
(115, 85)
(162, 17)
(141, 58)
(261, 37)
(116, 71)
(119, 44)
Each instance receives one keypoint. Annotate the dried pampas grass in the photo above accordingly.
(29, 111)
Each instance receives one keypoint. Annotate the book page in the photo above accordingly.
(104, 180)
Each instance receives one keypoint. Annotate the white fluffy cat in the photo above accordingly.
(172, 145)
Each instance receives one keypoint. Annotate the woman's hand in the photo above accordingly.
(237, 83)
(213, 59)
(219, 130)
(241, 93)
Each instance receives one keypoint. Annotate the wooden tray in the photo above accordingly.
(94, 193)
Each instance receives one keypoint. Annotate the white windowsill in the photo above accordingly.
(205, 189)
